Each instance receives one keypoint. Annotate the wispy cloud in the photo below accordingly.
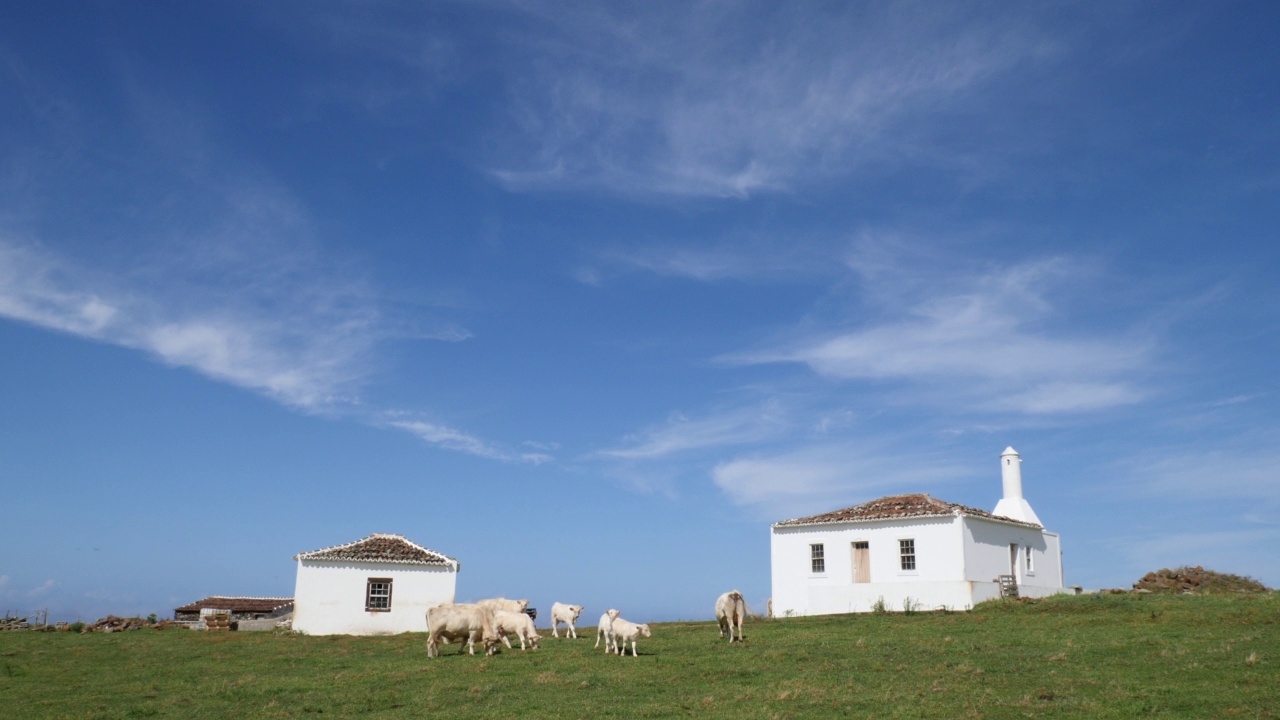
(995, 340)
(1245, 467)
(681, 434)
(746, 258)
(453, 439)
(821, 477)
(302, 343)
(43, 588)
(701, 102)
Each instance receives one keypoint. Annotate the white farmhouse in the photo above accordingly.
(914, 550)
(380, 585)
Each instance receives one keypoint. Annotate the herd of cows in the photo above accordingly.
(497, 620)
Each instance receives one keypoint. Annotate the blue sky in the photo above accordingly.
(587, 296)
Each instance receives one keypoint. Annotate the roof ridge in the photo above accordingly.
(243, 597)
(434, 557)
(901, 506)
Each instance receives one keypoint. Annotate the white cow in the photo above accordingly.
(731, 609)
(605, 629)
(567, 614)
(624, 631)
(497, 604)
(461, 622)
(518, 624)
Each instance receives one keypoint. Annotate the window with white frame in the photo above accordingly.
(817, 558)
(1031, 565)
(377, 595)
(907, 553)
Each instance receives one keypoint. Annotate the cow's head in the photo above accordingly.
(613, 614)
(491, 645)
(577, 610)
(533, 640)
(644, 630)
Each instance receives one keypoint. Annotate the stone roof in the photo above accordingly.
(237, 604)
(381, 548)
(896, 507)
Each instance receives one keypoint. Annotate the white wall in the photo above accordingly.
(957, 561)
(939, 559)
(329, 597)
(987, 555)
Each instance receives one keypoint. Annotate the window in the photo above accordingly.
(377, 595)
(1031, 566)
(817, 558)
(907, 554)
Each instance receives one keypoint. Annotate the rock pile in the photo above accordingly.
(1196, 580)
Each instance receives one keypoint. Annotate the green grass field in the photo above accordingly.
(1119, 656)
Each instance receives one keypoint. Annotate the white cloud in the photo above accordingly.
(43, 589)
(681, 434)
(825, 477)
(307, 354)
(452, 439)
(1245, 467)
(700, 102)
(994, 340)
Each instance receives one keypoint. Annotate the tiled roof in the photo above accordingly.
(237, 604)
(898, 506)
(383, 548)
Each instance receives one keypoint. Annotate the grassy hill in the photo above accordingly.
(1117, 656)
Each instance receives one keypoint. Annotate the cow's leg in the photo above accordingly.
(507, 640)
(572, 630)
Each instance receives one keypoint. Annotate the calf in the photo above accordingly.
(605, 629)
(507, 623)
(461, 622)
(624, 631)
(567, 614)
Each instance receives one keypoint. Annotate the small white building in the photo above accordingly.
(380, 585)
(914, 550)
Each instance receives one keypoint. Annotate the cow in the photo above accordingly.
(461, 622)
(496, 604)
(567, 614)
(623, 631)
(519, 624)
(731, 609)
(605, 629)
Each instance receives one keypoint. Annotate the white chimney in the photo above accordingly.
(1013, 505)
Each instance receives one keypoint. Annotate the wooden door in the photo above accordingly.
(862, 562)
